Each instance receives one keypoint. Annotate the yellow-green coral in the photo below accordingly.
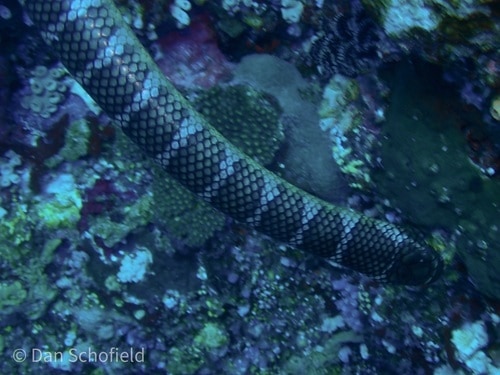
(60, 206)
(61, 211)
(444, 247)
(137, 215)
(340, 117)
(76, 143)
(12, 294)
(323, 360)
(184, 360)
(15, 229)
(337, 109)
(211, 336)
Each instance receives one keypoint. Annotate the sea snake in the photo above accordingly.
(101, 52)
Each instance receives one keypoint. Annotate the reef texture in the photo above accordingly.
(101, 254)
(347, 45)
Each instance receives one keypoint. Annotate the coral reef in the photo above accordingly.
(134, 266)
(342, 118)
(8, 164)
(47, 90)
(102, 255)
(191, 58)
(76, 143)
(401, 17)
(179, 10)
(61, 209)
(291, 10)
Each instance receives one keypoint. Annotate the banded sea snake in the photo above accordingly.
(101, 52)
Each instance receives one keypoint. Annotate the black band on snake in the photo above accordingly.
(104, 56)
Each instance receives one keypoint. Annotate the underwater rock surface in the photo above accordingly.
(310, 168)
(427, 174)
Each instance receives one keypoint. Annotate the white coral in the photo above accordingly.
(291, 10)
(134, 266)
(468, 341)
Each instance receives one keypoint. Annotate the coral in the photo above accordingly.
(191, 58)
(323, 359)
(348, 303)
(16, 227)
(184, 360)
(46, 144)
(341, 117)
(12, 294)
(47, 90)
(134, 266)
(337, 110)
(8, 163)
(291, 10)
(61, 208)
(229, 4)
(300, 163)
(211, 336)
(458, 35)
(403, 16)
(76, 143)
(135, 216)
(468, 340)
(23, 271)
(250, 119)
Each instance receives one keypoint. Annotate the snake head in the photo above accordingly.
(417, 265)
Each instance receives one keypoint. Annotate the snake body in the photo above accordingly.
(104, 56)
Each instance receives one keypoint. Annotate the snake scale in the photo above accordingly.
(104, 56)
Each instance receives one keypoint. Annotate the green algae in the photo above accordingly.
(135, 216)
(15, 228)
(211, 336)
(184, 360)
(12, 294)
